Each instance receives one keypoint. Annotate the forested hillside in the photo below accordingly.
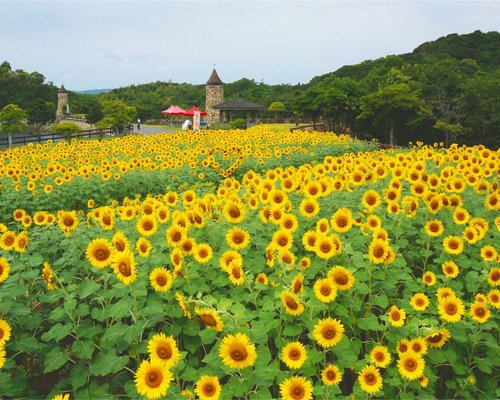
(445, 90)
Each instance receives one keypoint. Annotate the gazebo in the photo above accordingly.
(249, 109)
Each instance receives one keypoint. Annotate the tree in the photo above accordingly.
(276, 107)
(338, 101)
(394, 106)
(120, 112)
(442, 87)
(66, 129)
(105, 123)
(12, 119)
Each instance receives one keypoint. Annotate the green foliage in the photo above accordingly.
(238, 123)
(119, 112)
(66, 129)
(12, 118)
(276, 107)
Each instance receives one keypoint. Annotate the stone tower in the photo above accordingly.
(62, 102)
(214, 96)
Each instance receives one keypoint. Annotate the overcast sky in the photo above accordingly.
(108, 44)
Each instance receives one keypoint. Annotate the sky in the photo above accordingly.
(109, 44)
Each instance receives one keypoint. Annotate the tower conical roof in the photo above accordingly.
(214, 79)
(62, 89)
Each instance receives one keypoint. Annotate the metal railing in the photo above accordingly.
(45, 137)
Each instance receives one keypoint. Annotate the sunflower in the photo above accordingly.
(324, 290)
(229, 259)
(298, 283)
(48, 276)
(396, 316)
(471, 235)
(175, 235)
(378, 251)
(489, 253)
(282, 240)
(188, 245)
(327, 246)
(411, 365)
(450, 269)
(370, 379)
(461, 216)
(4, 269)
(61, 397)
(380, 356)
(236, 275)
(18, 214)
(309, 207)
(234, 213)
(294, 355)
(208, 388)
(147, 225)
(424, 381)
(309, 240)
(418, 346)
(328, 332)
(163, 349)
(262, 279)
(143, 247)
(296, 388)
(210, 318)
(494, 298)
(40, 218)
(341, 277)
(370, 200)
(453, 245)
(331, 375)
(4, 332)
(182, 304)
(429, 278)
(152, 379)
(322, 226)
(444, 292)
(494, 276)
(161, 279)
(203, 253)
(291, 303)
(237, 351)
(434, 228)
(451, 308)
(419, 301)
(120, 241)
(305, 262)
(7, 240)
(237, 238)
(67, 221)
(479, 312)
(289, 222)
(100, 252)
(402, 346)
(125, 267)
(341, 220)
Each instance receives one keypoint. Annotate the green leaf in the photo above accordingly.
(119, 310)
(55, 359)
(380, 300)
(25, 343)
(106, 363)
(83, 349)
(87, 289)
(57, 332)
(79, 375)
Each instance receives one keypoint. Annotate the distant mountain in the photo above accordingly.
(94, 91)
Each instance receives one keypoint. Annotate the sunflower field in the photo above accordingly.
(249, 265)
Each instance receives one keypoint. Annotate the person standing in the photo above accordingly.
(138, 124)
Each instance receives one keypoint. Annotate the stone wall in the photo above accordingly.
(214, 96)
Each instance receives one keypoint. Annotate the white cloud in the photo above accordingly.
(116, 43)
